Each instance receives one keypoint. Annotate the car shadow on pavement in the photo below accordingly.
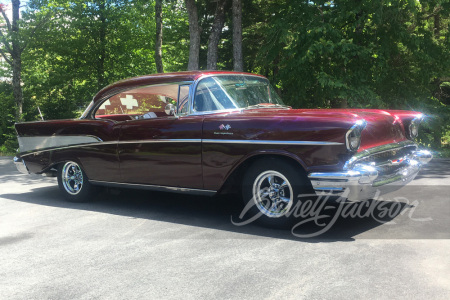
(329, 224)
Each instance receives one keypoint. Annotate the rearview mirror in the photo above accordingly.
(170, 109)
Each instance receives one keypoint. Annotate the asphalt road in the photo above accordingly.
(134, 245)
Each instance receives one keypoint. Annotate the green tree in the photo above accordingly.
(355, 53)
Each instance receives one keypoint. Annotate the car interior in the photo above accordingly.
(140, 103)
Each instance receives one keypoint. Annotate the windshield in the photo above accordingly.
(235, 92)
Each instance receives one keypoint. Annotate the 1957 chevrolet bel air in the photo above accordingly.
(207, 132)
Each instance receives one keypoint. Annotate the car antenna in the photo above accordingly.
(42, 117)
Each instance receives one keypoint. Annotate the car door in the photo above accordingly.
(162, 150)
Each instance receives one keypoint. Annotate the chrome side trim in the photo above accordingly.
(152, 187)
(270, 142)
(208, 141)
(160, 141)
(113, 143)
(66, 147)
(29, 143)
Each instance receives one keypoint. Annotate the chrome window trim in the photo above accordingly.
(189, 100)
(197, 81)
(210, 112)
(92, 107)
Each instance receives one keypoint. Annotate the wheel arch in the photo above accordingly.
(53, 167)
(236, 174)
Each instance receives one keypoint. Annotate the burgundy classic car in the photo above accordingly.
(210, 132)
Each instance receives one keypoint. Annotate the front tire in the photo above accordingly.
(270, 190)
(73, 182)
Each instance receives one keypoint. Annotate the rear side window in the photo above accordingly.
(143, 102)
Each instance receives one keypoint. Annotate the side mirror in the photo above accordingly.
(170, 109)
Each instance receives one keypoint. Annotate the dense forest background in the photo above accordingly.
(55, 54)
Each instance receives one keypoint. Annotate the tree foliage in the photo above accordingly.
(343, 53)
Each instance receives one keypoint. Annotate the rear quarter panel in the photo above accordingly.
(45, 144)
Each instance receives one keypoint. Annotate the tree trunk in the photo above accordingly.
(16, 60)
(17, 86)
(194, 35)
(159, 35)
(238, 63)
(214, 36)
(102, 47)
(437, 25)
(437, 135)
(338, 103)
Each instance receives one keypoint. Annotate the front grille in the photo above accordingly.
(381, 157)
(382, 160)
(388, 169)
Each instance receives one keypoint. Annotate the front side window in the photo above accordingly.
(183, 100)
(234, 92)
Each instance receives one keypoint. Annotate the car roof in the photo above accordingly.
(160, 78)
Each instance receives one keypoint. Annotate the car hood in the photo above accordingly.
(383, 126)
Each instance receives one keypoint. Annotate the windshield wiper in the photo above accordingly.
(267, 105)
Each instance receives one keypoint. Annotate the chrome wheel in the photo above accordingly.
(272, 194)
(72, 178)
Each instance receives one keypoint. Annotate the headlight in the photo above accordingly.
(353, 136)
(414, 128)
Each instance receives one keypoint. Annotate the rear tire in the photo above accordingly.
(270, 191)
(73, 182)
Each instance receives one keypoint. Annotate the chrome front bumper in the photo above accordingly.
(20, 165)
(364, 180)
